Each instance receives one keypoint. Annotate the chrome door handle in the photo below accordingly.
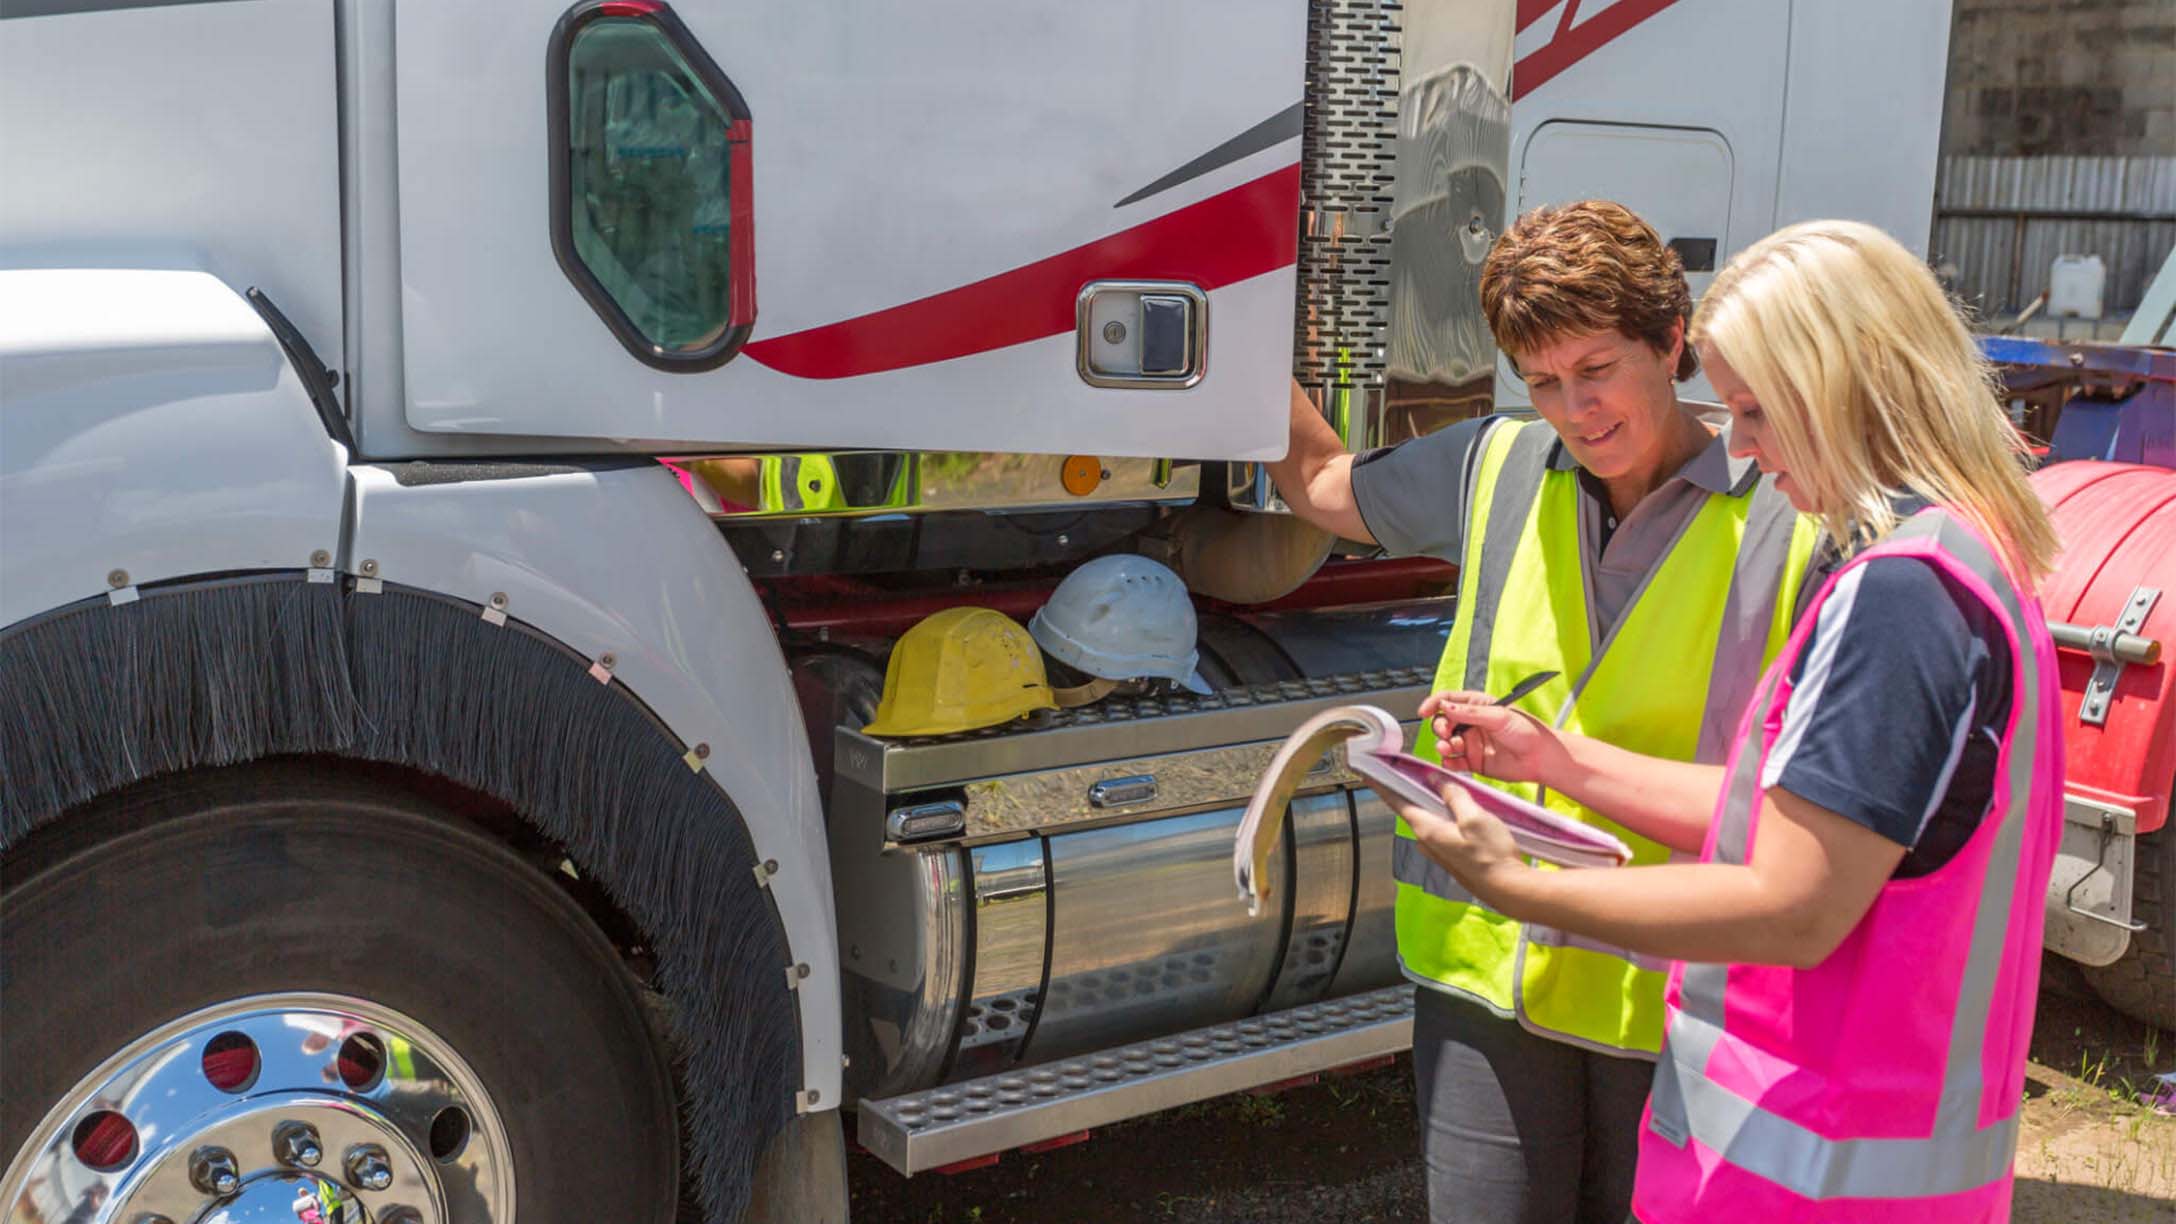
(1141, 334)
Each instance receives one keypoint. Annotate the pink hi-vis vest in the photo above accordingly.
(1882, 1084)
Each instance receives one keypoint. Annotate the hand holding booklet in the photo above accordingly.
(1375, 749)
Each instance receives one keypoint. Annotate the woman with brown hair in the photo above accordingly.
(1616, 544)
(1857, 955)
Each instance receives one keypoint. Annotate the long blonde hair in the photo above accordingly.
(1873, 387)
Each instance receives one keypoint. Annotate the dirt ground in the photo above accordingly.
(2089, 1152)
(1346, 1149)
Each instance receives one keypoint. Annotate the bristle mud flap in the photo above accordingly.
(96, 696)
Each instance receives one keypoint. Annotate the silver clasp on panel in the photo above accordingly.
(1122, 792)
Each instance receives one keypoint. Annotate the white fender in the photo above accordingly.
(151, 425)
(622, 561)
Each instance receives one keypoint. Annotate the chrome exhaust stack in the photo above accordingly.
(1399, 206)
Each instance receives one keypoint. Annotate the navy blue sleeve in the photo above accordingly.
(1897, 703)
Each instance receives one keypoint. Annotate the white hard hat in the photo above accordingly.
(1121, 617)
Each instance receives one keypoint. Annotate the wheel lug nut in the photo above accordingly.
(400, 1215)
(295, 1143)
(368, 1168)
(212, 1170)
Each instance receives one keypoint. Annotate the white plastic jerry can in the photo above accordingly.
(2075, 286)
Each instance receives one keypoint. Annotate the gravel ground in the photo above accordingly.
(1345, 1149)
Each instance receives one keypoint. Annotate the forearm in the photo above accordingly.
(1665, 801)
(1710, 912)
(1315, 475)
(1812, 877)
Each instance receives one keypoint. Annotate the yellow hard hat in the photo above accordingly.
(960, 669)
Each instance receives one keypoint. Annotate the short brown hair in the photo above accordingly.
(1581, 269)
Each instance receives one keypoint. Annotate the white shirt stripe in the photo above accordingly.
(1828, 633)
(1957, 740)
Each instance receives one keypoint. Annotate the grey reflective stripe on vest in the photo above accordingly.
(1511, 503)
(1749, 612)
(1998, 890)
(1518, 483)
(1549, 937)
(1958, 1155)
(1954, 1160)
(1409, 864)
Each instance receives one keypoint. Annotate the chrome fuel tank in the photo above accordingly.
(1024, 894)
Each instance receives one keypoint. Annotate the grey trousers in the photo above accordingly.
(1520, 1129)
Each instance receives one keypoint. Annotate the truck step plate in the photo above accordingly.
(1117, 728)
(942, 1126)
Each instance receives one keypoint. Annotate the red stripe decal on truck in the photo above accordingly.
(1574, 40)
(1229, 237)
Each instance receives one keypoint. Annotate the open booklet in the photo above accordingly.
(1375, 749)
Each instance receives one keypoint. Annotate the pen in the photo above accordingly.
(1521, 689)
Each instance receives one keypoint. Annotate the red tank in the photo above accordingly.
(2117, 523)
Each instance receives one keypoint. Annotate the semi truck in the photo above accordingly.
(439, 605)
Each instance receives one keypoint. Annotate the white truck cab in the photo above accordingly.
(463, 467)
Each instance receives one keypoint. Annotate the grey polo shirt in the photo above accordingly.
(1412, 497)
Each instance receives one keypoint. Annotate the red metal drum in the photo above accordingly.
(2117, 522)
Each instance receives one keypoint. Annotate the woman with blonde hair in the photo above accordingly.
(1858, 949)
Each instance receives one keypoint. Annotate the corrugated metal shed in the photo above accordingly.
(2122, 209)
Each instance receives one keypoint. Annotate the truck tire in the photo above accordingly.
(2142, 983)
(239, 953)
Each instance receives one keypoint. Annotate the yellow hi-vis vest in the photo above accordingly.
(1670, 680)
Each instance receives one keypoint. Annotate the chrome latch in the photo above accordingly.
(1142, 334)
(2112, 653)
(1122, 792)
(922, 821)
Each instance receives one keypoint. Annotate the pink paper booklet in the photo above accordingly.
(1375, 749)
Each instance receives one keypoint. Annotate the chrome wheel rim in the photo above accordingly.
(312, 1108)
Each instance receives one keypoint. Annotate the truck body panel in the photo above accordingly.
(1720, 121)
(918, 249)
(193, 136)
(152, 430)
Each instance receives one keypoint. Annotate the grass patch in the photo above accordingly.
(2090, 1127)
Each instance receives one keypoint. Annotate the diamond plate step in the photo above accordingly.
(940, 1126)
(1118, 728)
